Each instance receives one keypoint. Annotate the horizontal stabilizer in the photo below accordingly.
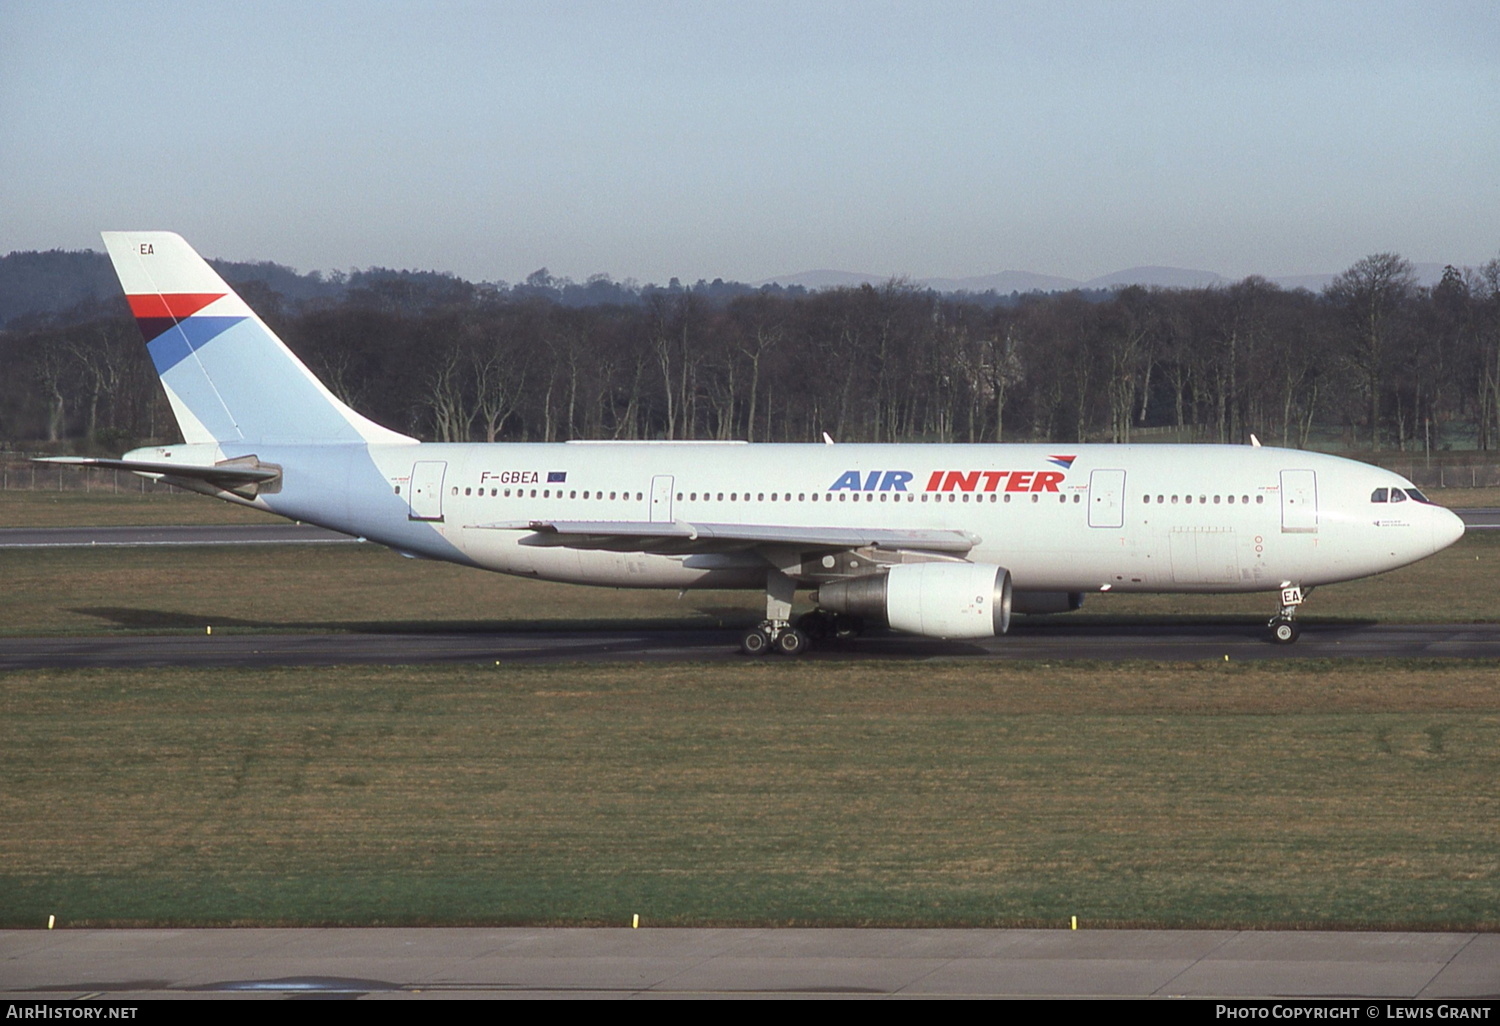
(680, 536)
(229, 475)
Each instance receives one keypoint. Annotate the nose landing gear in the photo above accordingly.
(1284, 627)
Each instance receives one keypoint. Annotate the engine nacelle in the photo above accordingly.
(937, 600)
(1041, 602)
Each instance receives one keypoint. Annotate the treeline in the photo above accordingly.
(1374, 359)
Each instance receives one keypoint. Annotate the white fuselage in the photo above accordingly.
(1071, 518)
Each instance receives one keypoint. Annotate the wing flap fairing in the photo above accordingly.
(682, 536)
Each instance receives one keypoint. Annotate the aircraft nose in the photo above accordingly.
(1447, 528)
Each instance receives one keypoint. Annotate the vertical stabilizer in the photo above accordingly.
(227, 375)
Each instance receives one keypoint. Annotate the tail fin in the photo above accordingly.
(227, 375)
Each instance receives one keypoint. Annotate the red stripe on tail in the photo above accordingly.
(177, 305)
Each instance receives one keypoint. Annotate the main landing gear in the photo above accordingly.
(785, 638)
(1284, 627)
(776, 633)
(774, 636)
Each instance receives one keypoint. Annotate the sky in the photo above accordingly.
(745, 139)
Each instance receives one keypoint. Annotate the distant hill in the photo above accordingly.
(1161, 277)
(1007, 282)
(44, 284)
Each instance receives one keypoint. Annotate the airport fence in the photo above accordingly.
(19, 474)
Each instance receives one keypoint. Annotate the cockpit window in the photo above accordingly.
(1415, 494)
(1397, 495)
(1380, 495)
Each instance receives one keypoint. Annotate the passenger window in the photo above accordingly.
(1379, 495)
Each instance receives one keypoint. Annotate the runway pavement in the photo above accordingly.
(1477, 519)
(126, 965)
(1050, 641)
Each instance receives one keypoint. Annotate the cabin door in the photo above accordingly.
(1107, 498)
(426, 490)
(1299, 502)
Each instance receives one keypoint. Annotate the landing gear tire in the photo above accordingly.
(1284, 631)
(791, 642)
(755, 642)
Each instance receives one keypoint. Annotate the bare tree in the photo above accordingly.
(1372, 295)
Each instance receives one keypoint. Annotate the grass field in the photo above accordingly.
(1358, 794)
(122, 509)
(759, 792)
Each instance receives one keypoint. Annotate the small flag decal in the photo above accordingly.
(557, 476)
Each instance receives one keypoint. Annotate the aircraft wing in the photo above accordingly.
(680, 536)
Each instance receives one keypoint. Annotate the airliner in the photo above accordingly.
(944, 541)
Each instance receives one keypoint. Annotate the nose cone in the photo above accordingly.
(1447, 528)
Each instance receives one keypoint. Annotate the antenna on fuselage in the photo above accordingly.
(827, 438)
(1254, 442)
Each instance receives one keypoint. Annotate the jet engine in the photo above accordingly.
(938, 600)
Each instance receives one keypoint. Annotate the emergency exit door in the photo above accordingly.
(661, 499)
